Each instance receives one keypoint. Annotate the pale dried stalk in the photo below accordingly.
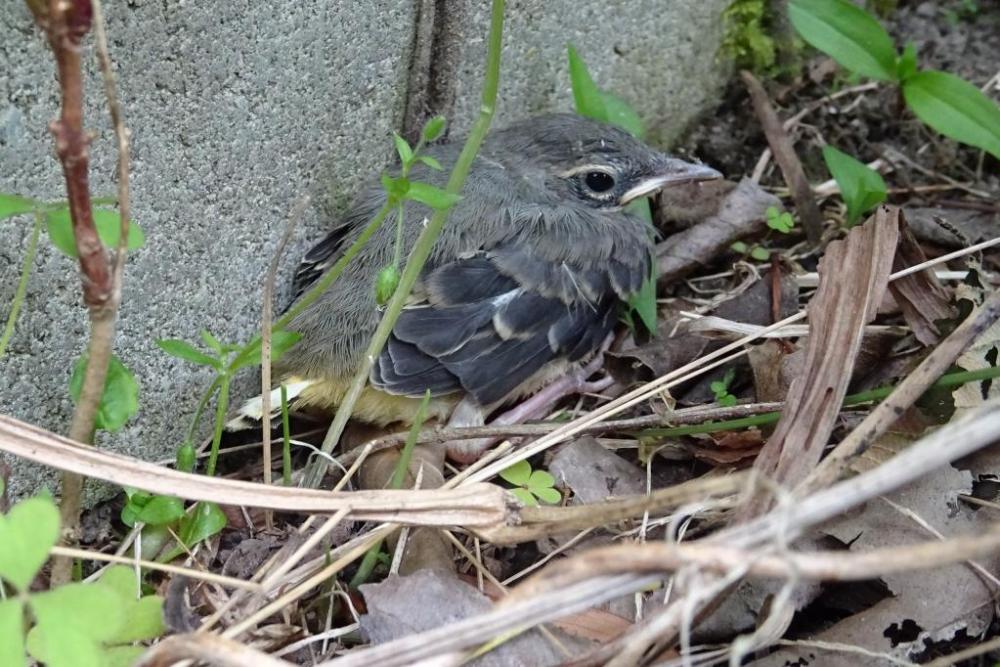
(209, 649)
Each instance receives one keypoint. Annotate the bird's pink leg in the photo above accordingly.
(469, 413)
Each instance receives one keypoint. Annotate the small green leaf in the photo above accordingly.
(160, 511)
(955, 108)
(861, 187)
(74, 620)
(12, 633)
(186, 458)
(517, 474)
(120, 400)
(204, 521)
(395, 188)
(524, 496)
(385, 284)
(431, 196)
(906, 66)
(121, 656)
(772, 213)
(11, 205)
(846, 33)
(281, 342)
(548, 495)
(620, 113)
(60, 228)
(176, 347)
(718, 387)
(27, 533)
(540, 479)
(740, 247)
(211, 341)
(144, 614)
(431, 162)
(403, 148)
(587, 97)
(760, 254)
(432, 129)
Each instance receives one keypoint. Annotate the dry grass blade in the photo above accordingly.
(472, 506)
(210, 649)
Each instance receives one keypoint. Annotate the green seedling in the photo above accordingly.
(96, 624)
(861, 187)
(531, 485)
(721, 389)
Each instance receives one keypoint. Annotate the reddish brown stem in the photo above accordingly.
(65, 23)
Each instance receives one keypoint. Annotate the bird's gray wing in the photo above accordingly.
(492, 320)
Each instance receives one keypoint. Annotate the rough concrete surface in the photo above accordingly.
(236, 111)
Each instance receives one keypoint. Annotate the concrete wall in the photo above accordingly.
(237, 111)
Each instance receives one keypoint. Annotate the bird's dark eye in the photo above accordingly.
(599, 181)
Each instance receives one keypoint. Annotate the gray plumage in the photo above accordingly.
(532, 267)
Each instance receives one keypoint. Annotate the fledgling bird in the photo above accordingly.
(525, 282)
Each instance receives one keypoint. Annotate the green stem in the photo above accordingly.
(221, 407)
(370, 560)
(22, 284)
(202, 404)
(332, 274)
(421, 249)
(950, 380)
(397, 253)
(286, 440)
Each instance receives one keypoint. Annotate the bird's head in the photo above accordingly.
(595, 164)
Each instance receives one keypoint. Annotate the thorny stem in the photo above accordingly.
(22, 284)
(422, 248)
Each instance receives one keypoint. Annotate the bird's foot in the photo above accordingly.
(470, 413)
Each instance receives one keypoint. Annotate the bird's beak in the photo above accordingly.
(673, 171)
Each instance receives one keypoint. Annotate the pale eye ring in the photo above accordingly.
(599, 181)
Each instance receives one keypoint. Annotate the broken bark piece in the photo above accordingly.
(920, 295)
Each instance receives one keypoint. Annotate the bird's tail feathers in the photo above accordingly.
(250, 413)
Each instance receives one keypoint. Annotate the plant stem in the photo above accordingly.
(877, 394)
(332, 274)
(286, 440)
(221, 407)
(422, 248)
(201, 408)
(22, 284)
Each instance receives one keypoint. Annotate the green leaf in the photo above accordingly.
(955, 108)
(385, 284)
(281, 342)
(120, 400)
(176, 347)
(644, 303)
(211, 341)
(718, 387)
(121, 656)
(846, 33)
(548, 495)
(12, 633)
(432, 129)
(739, 246)
(760, 254)
(72, 622)
(861, 187)
(403, 148)
(906, 65)
(205, 520)
(144, 614)
(431, 162)
(431, 196)
(395, 188)
(60, 228)
(27, 533)
(540, 479)
(728, 400)
(525, 497)
(11, 205)
(517, 474)
(160, 511)
(620, 113)
(587, 97)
